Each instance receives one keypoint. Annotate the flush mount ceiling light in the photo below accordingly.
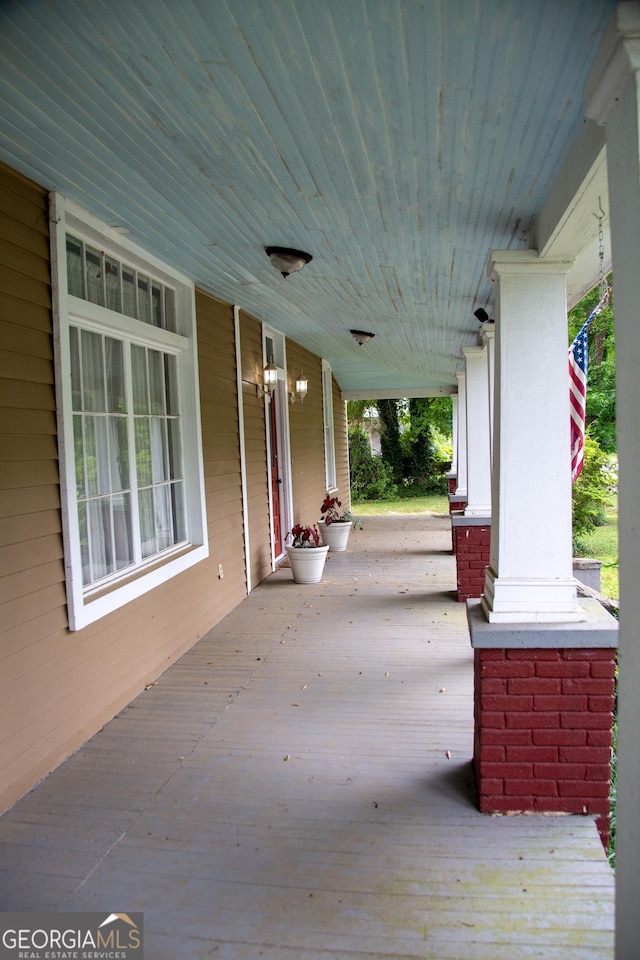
(287, 261)
(361, 336)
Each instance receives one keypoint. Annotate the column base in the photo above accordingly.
(471, 546)
(510, 600)
(543, 703)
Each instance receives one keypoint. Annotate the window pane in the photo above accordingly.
(140, 386)
(129, 303)
(92, 372)
(156, 381)
(94, 277)
(175, 450)
(179, 524)
(100, 533)
(158, 450)
(79, 455)
(156, 305)
(76, 376)
(112, 284)
(90, 456)
(114, 360)
(143, 451)
(170, 309)
(122, 530)
(147, 526)
(84, 543)
(164, 523)
(102, 455)
(75, 273)
(171, 384)
(118, 453)
(144, 299)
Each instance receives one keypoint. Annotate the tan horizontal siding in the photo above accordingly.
(255, 442)
(340, 429)
(59, 687)
(307, 436)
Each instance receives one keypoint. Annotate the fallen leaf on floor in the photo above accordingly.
(288, 757)
(442, 689)
(295, 704)
(448, 754)
(303, 687)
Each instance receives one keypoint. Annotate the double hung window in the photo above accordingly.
(133, 499)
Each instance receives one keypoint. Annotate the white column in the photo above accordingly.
(612, 96)
(530, 577)
(454, 433)
(488, 340)
(478, 434)
(461, 487)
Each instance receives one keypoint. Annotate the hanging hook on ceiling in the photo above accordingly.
(604, 287)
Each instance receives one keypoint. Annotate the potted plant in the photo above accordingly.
(306, 555)
(335, 526)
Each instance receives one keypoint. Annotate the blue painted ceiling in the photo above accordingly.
(397, 141)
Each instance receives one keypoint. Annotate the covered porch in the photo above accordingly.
(300, 785)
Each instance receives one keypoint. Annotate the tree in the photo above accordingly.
(390, 436)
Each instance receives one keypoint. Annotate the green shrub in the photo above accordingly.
(371, 478)
(591, 491)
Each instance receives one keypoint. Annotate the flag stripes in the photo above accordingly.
(578, 368)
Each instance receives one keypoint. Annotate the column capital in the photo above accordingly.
(473, 351)
(521, 262)
(487, 333)
(615, 62)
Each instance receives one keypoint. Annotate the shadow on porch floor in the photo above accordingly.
(299, 785)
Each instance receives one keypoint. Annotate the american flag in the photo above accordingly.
(578, 361)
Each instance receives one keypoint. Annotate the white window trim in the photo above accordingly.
(331, 477)
(87, 606)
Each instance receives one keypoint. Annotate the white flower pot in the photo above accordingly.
(307, 563)
(335, 535)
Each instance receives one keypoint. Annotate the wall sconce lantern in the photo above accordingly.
(301, 389)
(287, 261)
(270, 378)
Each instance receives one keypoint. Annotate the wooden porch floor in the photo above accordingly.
(299, 786)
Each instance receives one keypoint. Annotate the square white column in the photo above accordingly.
(454, 434)
(612, 97)
(461, 488)
(478, 433)
(488, 340)
(530, 577)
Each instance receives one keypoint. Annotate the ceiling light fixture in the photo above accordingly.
(361, 336)
(287, 261)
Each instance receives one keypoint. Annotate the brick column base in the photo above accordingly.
(452, 482)
(471, 545)
(543, 731)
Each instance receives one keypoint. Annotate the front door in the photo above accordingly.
(276, 478)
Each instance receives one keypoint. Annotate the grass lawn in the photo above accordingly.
(435, 503)
(602, 544)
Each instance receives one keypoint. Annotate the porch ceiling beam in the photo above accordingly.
(567, 227)
(399, 392)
